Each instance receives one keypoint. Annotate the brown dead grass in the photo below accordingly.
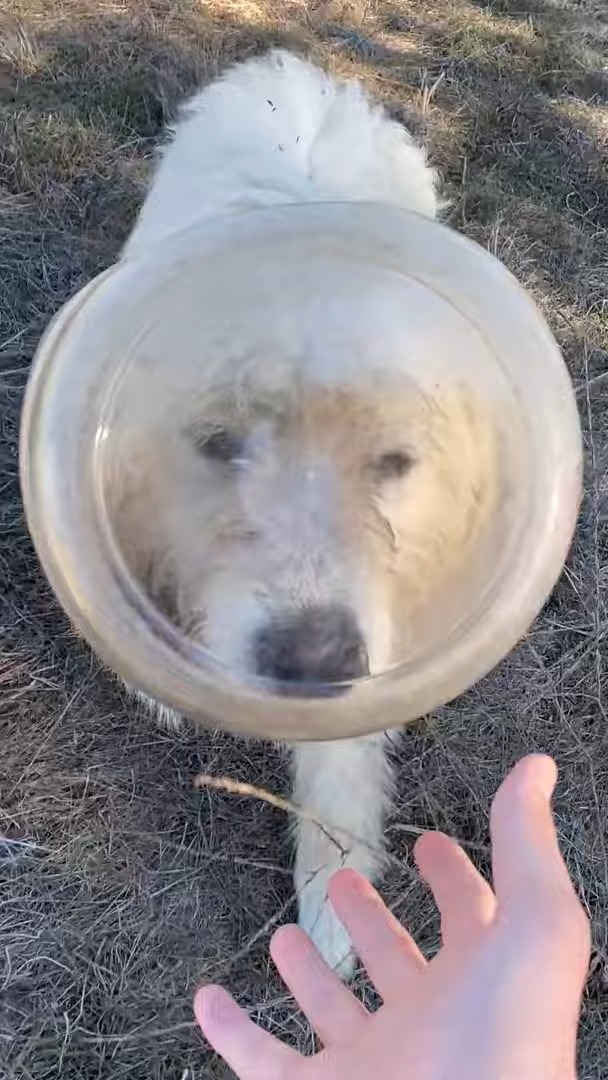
(122, 887)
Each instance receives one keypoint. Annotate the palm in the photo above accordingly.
(501, 998)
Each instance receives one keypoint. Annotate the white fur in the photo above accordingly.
(347, 786)
(278, 130)
(271, 131)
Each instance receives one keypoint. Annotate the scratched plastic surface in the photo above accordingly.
(311, 474)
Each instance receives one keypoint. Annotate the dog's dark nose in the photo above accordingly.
(310, 653)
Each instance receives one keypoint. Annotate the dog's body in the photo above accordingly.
(277, 130)
(323, 519)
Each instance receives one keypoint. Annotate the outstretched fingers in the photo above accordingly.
(391, 957)
(465, 901)
(531, 880)
(525, 851)
(333, 1011)
(253, 1054)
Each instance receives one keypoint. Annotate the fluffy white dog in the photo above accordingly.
(299, 534)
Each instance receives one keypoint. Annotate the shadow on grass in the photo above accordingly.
(509, 123)
(141, 888)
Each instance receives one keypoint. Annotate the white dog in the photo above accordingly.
(297, 536)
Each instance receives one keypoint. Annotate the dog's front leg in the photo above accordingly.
(345, 787)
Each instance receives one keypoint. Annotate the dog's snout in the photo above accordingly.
(313, 652)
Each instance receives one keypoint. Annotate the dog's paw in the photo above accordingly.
(318, 919)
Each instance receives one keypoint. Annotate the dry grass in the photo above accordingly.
(123, 886)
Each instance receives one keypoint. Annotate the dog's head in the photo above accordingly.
(299, 529)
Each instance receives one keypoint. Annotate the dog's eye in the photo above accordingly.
(223, 446)
(393, 465)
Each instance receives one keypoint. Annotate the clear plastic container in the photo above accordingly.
(310, 317)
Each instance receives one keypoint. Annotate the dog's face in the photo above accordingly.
(299, 532)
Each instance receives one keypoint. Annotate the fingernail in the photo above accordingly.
(208, 1003)
(539, 775)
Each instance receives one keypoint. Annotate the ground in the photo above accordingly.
(129, 887)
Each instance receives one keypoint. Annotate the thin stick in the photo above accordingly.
(237, 787)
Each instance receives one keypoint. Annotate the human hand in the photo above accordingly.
(499, 1001)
